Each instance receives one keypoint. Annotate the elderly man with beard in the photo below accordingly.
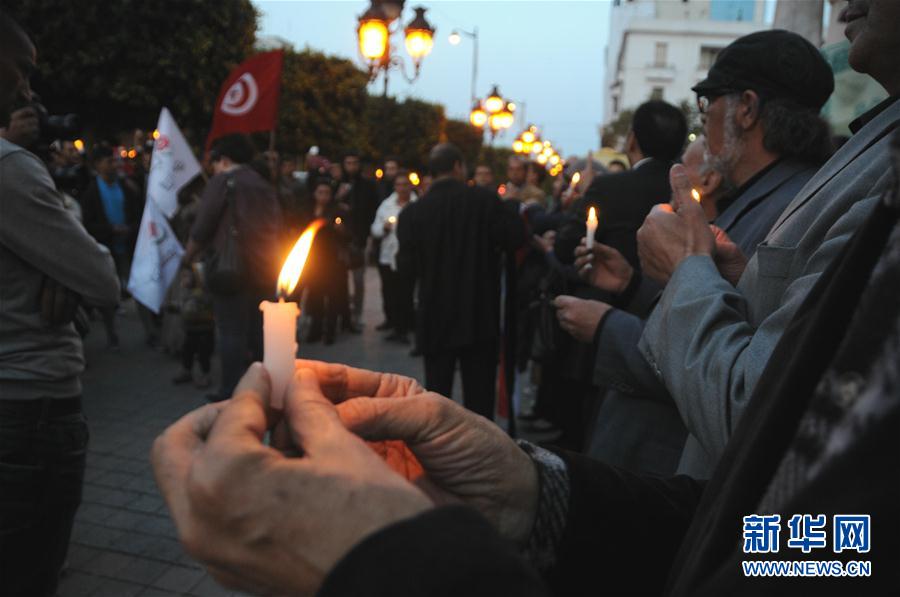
(760, 158)
(712, 334)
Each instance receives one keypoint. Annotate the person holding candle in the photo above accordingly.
(747, 177)
(396, 293)
(326, 271)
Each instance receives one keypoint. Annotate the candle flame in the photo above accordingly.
(576, 178)
(696, 195)
(296, 259)
(592, 216)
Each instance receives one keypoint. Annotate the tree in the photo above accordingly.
(465, 136)
(117, 63)
(615, 132)
(322, 100)
(406, 129)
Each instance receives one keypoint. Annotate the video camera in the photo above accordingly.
(65, 127)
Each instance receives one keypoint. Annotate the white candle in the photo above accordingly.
(280, 319)
(591, 225)
(279, 345)
(576, 178)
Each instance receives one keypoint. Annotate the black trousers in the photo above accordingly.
(197, 344)
(43, 444)
(478, 369)
(397, 294)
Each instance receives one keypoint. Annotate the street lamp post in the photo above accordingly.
(494, 111)
(473, 35)
(374, 33)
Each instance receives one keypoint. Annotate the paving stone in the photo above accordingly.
(142, 570)
(151, 592)
(134, 543)
(117, 588)
(208, 587)
(167, 550)
(179, 579)
(108, 564)
(146, 503)
(78, 584)
(79, 555)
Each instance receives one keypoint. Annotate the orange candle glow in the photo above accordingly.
(696, 195)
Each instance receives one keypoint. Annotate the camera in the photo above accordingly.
(65, 127)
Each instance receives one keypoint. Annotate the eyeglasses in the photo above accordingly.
(705, 101)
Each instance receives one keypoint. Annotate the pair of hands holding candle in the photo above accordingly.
(671, 232)
(277, 518)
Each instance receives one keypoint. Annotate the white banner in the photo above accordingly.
(157, 254)
(173, 165)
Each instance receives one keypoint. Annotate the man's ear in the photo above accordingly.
(748, 109)
(710, 182)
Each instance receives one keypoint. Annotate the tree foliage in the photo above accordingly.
(407, 129)
(117, 63)
(322, 98)
(465, 136)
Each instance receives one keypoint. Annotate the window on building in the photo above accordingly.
(656, 93)
(615, 104)
(708, 56)
(659, 58)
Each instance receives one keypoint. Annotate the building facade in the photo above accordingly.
(661, 48)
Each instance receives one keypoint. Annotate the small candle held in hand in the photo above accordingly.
(696, 195)
(280, 319)
(591, 225)
(576, 178)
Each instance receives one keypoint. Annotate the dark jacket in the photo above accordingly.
(451, 240)
(623, 200)
(638, 426)
(819, 436)
(363, 201)
(258, 218)
(93, 216)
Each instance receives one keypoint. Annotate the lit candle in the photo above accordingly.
(280, 319)
(591, 228)
(576, 178)
(696, 195)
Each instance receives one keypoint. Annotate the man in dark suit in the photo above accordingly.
(450, 241)
(623, 200)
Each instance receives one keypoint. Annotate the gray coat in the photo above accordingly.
(709, 341)
(638, 426)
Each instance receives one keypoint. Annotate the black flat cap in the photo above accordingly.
(775, 64)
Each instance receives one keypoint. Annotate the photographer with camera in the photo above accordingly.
(48, 263)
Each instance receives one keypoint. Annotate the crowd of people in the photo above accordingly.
(723, 345)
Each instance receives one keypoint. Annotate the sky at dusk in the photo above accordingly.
(547, 56)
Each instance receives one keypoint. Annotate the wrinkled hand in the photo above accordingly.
(671, 233)
(58, 303)
(603, 267)
(24, 129)
(264, 522)
(730, 261)
(580, 317)
(465, 457)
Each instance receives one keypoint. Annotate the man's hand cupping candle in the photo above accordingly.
(671, 233)
(265, 522)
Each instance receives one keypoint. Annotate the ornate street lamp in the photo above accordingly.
(494, 103)
(478, 117)
(374, 33)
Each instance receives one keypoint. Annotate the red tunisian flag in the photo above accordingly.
(248, 101)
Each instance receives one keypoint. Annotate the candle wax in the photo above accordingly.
(591, 225)
(279, 345)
